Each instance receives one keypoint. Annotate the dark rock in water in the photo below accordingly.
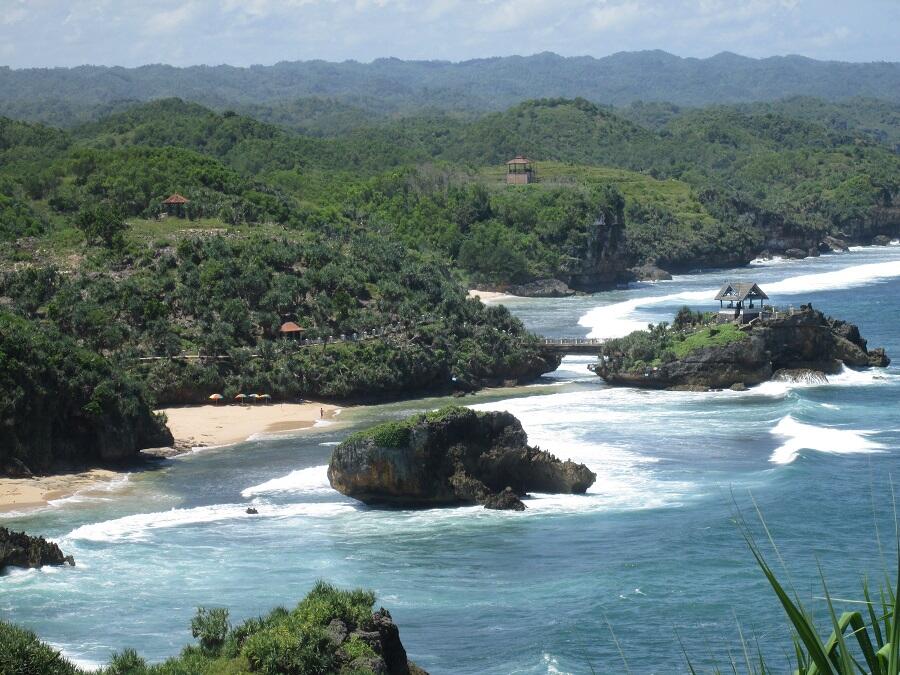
(834, 244)
(17, 549)
(451, 457)
(804, 345)
(878, 358)
(738, 386)
(795, 253)
(881, 240)
(507, 500)
(252, 511)
(650, 272)
(542, 288)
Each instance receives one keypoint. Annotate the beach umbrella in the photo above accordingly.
(240, 397)
(253, 396)
(216, 398)
(265, 397)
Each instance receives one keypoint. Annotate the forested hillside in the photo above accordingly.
(391, 85)
(366, 233)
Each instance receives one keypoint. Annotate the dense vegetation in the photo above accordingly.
(395, 433)
(663, 343)
(301, 641)
(61, 403)
(372, 232)
(392, 85)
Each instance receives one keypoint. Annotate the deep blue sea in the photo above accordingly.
(575, 584)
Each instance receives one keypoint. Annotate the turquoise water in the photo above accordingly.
(650, 552)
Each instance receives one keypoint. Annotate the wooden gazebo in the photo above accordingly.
(290, 329)
(174, 205)
(519, 171)
(740, 297)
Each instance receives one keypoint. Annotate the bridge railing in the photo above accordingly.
(571, 342)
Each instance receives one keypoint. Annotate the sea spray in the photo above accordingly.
(831, 440)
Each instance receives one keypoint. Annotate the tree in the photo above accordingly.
(103, 223)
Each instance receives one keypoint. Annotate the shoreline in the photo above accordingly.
(21, 494)
(221, 425)
(192, 427)
(490, 297)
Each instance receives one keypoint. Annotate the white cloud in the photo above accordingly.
(615, 16)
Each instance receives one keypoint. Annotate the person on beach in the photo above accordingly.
(322, 413)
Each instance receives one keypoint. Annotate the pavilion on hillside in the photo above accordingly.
(740, 298)
(519, 171)
(290, 329)
(175, 204)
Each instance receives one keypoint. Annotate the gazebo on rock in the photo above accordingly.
(740, 297)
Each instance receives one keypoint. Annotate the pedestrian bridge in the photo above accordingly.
(573, 345)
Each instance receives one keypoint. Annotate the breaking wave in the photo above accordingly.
(617, 319)
(312, 479)
(831, 440)
(139, 526)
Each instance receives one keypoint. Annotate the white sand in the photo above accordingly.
(490, 297)
(229, 423)
(24, 493)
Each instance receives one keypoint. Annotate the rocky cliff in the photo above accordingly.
(806, 341)
(17, 549)
(453, 456)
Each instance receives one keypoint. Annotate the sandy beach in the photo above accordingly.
(192, 426)
(206, 425)
(25, 493)
(490, 297)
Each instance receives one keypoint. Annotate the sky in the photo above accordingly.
(45, 33)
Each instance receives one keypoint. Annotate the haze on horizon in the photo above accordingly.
(48, 33)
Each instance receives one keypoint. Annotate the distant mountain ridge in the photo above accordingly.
(394, 85)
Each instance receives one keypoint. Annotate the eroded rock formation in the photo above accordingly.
(806, 344)
(454, 456)
(18, 549)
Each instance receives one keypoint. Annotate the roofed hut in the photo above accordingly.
(175, 205)
(290, 329)
(740, 297)
(519, 171)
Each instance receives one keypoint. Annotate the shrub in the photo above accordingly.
(211, 626)
(22, 653)
(289, 649)
(126, 662)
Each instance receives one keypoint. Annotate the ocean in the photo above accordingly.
(648, 568)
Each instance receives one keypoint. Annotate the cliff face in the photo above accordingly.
(17, 549)
(459, 457)
(806, 341)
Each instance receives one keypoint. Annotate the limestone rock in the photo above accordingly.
(650, 272)
(804, 346)
(881, 240)
(542, 288)
(17, 549)
(795, 253)
(834, 244)
(459, 456)
(506, 500)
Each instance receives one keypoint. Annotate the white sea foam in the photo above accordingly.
(617, 319)
(311, 479)
(832, 440)
(625, 479)
(139, 526)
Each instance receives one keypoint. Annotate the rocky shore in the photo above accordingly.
(805, 345)
(453, 456)
(18, 549)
